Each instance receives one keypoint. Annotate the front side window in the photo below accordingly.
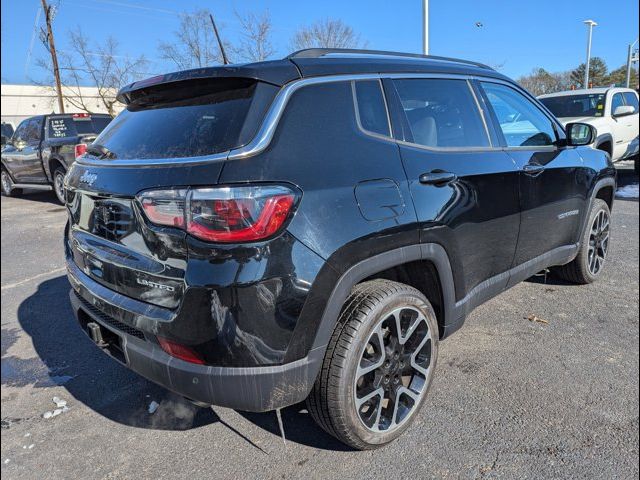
(616, 102)
(19, 134)
(442, 113)
(587, 105)
(631, 99)
(371, 109)
(522, 123)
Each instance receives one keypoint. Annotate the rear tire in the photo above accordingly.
(58, 183)
(6, 182)
(594, 246)
(378, 366)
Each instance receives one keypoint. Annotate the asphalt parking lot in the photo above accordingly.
(511, 398)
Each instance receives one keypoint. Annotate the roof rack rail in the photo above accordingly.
(321, 52)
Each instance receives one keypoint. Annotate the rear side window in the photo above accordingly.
(370, 107)
(72, 126)
(631, 99)
(522, 123)
(442, 113)
(33, 132)
(185, 120)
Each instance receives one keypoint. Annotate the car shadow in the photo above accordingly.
(68, 358)
(46, 196)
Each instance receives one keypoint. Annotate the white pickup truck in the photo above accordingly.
(612, 111)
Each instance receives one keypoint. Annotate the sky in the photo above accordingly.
(516, 36)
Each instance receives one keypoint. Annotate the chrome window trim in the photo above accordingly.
(271, 120)
(356, 108)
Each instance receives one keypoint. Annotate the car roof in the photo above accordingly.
(586, 91)
(322, 62)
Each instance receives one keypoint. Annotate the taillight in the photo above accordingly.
(221, 214)
(180, 351)
(80, 149)
(164, 207)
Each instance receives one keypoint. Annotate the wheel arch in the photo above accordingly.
(396, 263)
(605, 143)
(54, 162)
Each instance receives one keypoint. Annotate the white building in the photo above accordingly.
(23, 101)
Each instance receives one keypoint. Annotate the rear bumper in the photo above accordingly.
(254, 389)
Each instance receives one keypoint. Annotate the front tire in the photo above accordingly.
(378, 366)
(588, 265)
(6, 182)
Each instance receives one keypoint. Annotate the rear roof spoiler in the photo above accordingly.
(274, 72)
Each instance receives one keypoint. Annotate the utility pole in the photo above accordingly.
(425, 27)
(590, 24)
(54, 56)
(631, 57)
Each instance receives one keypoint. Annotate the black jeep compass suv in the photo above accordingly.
(256, 235)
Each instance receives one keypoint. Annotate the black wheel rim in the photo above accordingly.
(58, 184)
(6, 182)
(394, 370)
(598, 242)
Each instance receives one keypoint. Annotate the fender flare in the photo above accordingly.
(378, 263)
(600, 184)
(605, 137)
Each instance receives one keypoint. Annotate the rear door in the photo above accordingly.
(464, 187)
(631, 123)
(553, 181)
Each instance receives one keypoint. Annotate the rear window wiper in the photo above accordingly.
(100, 151)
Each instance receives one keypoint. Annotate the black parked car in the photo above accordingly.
(42, 148)
(253, 236)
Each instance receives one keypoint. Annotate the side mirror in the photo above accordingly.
(623, 110)
(579, 134)
(19, 143)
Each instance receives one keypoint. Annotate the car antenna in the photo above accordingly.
(279, 416)
(225, 60)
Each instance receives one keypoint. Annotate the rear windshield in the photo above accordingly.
(184, 120)
(588, 105)
(62, 127)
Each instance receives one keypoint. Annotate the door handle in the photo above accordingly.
(438, 178)
(533, 169)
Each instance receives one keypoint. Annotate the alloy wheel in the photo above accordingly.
(598, 242)
(394, 371)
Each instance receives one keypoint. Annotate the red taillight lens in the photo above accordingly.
(180, 351)
(238, 214)
(222, 214)
(80, 149)
(164, 207)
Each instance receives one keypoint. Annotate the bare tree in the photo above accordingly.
(255, 42)
(327, 33)
(195, 44)
(97, 66)
(540, 81)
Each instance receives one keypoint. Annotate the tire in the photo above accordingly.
(369, 315)
(6, 182)
(58, 183)
(596, 238)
